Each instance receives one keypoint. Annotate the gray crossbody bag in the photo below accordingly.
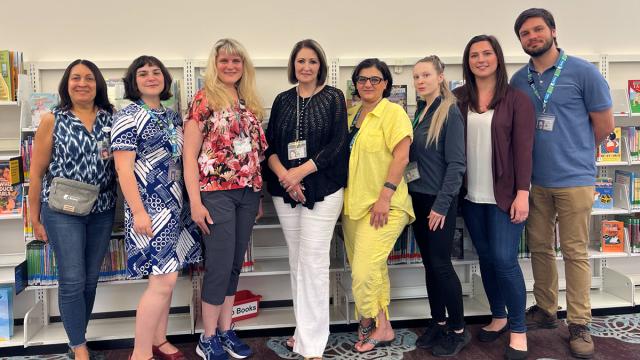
(72, 197)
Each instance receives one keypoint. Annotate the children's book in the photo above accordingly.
(612, 236)
(634, 97)
(399, 95)
(627, 178)
(351, 99)
(609, 150)
(603, 193)
(10, 195)
(41, 103)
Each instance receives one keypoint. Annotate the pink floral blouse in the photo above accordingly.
(225, 161)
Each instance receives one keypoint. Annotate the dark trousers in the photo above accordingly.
(443, 285)
(234, 213)
(496, 240)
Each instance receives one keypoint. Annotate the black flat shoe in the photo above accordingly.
(490, 336)
(513, 354)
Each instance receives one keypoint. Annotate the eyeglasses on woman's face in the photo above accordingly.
(374, 80)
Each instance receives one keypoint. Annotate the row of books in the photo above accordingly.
(42, 269)
(632, 236)
(406, 251)
(11, 64)
(610, 150)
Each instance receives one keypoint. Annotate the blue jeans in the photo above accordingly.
(79, 244)
(496, 240)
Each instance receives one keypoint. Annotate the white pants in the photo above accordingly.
(308, 234)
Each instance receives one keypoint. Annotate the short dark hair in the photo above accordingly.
(534, 13)
(101, 100)
(469, 93)
(322, 58)
(131, 90)
(378, 64)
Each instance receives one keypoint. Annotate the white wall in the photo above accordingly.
(119, 29)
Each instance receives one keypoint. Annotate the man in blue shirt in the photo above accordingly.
(573, 106)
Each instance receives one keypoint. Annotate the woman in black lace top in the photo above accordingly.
(308, 159)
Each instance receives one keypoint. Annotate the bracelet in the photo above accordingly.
(390, 186)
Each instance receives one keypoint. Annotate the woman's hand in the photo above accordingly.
(520, 207)
(296, 193)
(292, 178)
(435, 220)
(142, 223)
(380, 212)
(200, 215)
(38, 231)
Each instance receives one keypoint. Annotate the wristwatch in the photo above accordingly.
(390, 186)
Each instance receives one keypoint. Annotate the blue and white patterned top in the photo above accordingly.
(75, 155)
(176, 238)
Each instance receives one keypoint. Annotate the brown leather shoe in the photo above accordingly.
(537, 318)
(160, 355)
(580, 342)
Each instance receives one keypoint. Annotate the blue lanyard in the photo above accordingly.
(170, 129)
(552, 84)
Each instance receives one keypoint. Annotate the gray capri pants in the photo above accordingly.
(234, 213)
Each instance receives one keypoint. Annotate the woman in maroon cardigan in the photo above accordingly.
(499, 131)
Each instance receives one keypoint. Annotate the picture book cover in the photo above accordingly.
(612, 236)
(603, 194)
(399, 95)
(609, 149)
(634, 97)
(41, 103)
(10, 195)
(351, 99)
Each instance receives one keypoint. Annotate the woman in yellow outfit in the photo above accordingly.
(377, 205)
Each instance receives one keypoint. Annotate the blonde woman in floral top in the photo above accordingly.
(224, 145)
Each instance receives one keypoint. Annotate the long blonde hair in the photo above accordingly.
(448, 100)
(217, 95)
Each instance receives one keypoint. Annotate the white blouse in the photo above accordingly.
(479, 167)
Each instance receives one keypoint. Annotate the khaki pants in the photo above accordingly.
(573, 207)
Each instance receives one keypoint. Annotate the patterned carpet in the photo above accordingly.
(615, 337)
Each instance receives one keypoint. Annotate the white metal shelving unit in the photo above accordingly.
(614, 282)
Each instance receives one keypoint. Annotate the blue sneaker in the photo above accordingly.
(232, 344)
(211, 348)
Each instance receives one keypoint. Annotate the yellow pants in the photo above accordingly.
(367, 251)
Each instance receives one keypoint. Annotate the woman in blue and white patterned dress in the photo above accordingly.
(160, 236)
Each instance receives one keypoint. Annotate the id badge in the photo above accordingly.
(175, 173)
(104, 149)
(297, 149)
(545, 122)
(241, 145)
(411, 172)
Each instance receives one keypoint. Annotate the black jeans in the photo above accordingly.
(443, 285)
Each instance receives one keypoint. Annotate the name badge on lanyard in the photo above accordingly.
(241, 145)
(411, 172)
(175, 173)
(104, 145)
(545, 122)
(297, 149)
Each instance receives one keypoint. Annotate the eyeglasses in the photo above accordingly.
(374, 80)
